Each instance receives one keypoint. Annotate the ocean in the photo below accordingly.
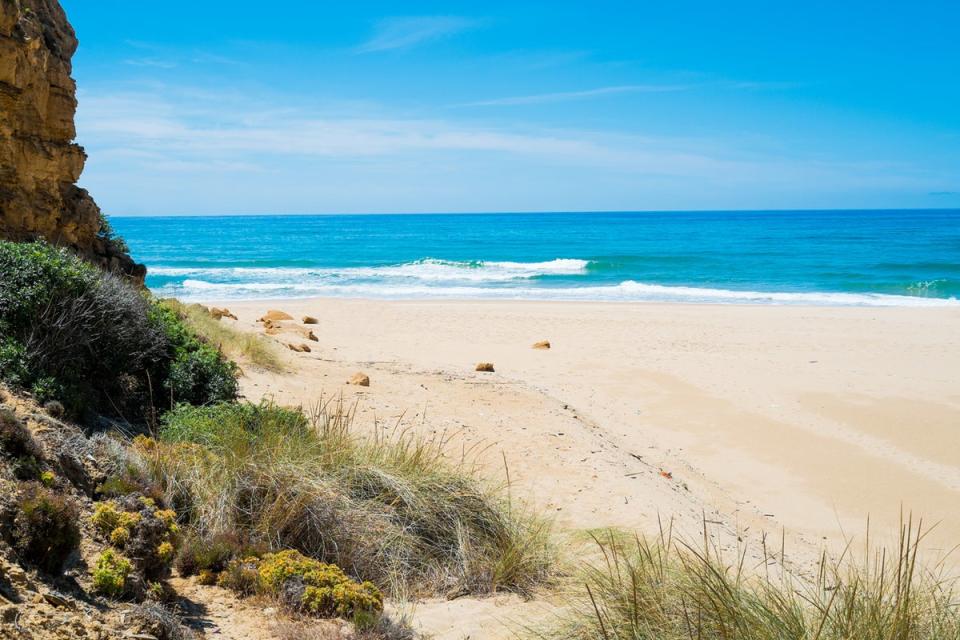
(861, 258)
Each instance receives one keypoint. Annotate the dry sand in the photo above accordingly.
(790, 421)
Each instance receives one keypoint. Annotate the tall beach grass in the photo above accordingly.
(668, 590)
(388, 508)
(245, 346)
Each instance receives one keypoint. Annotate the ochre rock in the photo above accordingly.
(39, 162)
(543, 344)
(299, 348)
(273, 328)
(485, 366)
(309, 320)
(218, 313)
(360, 379)
(272, 315)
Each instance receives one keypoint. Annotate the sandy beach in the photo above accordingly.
(798, 423)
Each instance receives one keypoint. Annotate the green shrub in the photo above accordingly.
(198, 373)
(111, 574)
(108, 235)
(45, 528)
(95, 342)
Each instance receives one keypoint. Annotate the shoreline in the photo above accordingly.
(767, 418)
(942, 304)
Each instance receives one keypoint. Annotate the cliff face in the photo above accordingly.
(39, 162)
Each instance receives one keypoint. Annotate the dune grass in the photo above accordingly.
(245, 346)
(387, 508)
(667, 590)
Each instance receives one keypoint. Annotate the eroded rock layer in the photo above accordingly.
(39, 162)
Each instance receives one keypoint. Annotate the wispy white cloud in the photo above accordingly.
(407, 32)
(566, 96)
(182, 134)
(158, 63)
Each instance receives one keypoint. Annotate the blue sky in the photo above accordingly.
(221, 107)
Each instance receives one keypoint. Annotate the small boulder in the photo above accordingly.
(219, 313)
(485, 366)
(309, 320)
(275, 316)
(299, 348)
(543, 344)
(360, 379)
(272, 328)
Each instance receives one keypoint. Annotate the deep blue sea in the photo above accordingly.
(903, 258)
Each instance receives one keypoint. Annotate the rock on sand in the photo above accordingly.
(275, 316)
(360, 379)
(485, 366)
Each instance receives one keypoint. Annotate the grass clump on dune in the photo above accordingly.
(243, 345)
(392, 510)
(666, 590)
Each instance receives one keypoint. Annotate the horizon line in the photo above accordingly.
(533, 212)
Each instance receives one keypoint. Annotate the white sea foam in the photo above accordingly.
(626, 291)
(427, 270)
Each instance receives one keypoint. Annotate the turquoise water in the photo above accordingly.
(805, 257)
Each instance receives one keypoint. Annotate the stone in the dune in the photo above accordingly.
(275, 316)
(272, 328)
(360, 379)
(219, 313)
(299, 348)
(485, 366)
(543, 344)
(309, 320)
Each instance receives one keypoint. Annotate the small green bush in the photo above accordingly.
(147, 535)
(111, 574)
(308, 585)
(198, 554)
(96, 343)
(108, 235)
(45, 528)
(16, 440)
(241, 575)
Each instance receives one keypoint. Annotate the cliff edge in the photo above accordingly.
(39, 162)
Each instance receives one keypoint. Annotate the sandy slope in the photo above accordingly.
(768, 418)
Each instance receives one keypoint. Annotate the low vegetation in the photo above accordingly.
(665, 590)
(390, 510)
(305, 585)
(46, 527)
(245, 346)
(91, 341)
(146, 534)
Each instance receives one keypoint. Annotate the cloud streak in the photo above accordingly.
(406, 32)
(566, 96)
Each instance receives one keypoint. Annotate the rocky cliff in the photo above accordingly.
(39, 162)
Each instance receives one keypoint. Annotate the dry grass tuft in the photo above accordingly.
(245, 346)
(668, 590)
(391, 509)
